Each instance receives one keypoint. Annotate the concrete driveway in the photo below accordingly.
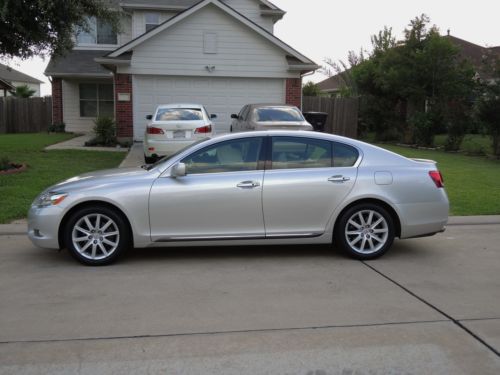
(429, 306)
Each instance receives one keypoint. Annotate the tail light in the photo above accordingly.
(204, 129)
(153, 130)
(437, 177)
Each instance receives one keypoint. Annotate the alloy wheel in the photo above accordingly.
(366, 232)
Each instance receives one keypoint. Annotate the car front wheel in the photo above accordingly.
(365, 231)
(96, 235)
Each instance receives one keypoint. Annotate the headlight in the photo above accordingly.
(51, 198)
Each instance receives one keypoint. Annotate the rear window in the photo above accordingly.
(179, 114)
(282, 114)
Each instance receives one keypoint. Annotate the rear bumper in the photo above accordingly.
(423, 219)
(164, 148)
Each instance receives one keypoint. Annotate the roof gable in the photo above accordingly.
(12, 75)
(225, 8)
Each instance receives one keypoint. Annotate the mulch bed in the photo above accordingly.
(13, 168)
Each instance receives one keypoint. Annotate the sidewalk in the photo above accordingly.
(20, 226)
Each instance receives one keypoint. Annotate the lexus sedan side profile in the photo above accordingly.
(173, 127)
(252, 188)
(269, 117)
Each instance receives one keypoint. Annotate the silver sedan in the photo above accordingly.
(269, 117)
(254, 188)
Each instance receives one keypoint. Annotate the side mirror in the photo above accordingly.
(149, 117)
(178, 170)
(234, 116)
(213, 115)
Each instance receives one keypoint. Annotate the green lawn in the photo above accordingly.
(45, 168)
(472, 183)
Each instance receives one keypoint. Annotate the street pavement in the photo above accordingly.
(429, 306)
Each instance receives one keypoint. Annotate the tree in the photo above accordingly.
(23, 91)
(311, 89)
(46, 27)
(408, 87)
(488, 105)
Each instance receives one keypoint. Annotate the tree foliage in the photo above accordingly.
(413, 88)
(46, 27)
(311, 89)
(23, 91)
(488, 106)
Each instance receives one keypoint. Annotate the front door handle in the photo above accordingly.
(248, 184)
(338, 178)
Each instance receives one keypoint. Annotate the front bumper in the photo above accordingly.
(43, 226)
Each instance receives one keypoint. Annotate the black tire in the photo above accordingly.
(122, 240)
(364, 242)
(149, 159)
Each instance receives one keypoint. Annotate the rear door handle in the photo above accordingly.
(248, 184)
(338, 178)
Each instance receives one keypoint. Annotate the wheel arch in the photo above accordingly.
(91, 203)
(380, 202)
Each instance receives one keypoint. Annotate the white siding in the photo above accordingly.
(221, 96)
(251, 9)
(71, 107)
(126, 30)
(179, 50)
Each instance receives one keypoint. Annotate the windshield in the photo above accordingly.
(179, 114)
(281, 114)
(167, 158)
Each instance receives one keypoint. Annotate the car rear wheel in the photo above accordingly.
(96, 235)
(365, 231)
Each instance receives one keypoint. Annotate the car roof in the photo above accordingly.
(264, 105)
(180, 105)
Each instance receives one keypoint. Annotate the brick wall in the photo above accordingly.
(294, 91)
(123, 109)
(57, 101)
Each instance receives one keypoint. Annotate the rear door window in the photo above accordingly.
(299, 152)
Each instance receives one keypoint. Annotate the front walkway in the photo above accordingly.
(135, 156)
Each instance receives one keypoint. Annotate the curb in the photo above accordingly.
(21, 228)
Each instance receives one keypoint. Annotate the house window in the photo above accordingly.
(96, 100)
(151, 20)
(100, 32)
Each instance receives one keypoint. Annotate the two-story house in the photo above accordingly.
(219, 53)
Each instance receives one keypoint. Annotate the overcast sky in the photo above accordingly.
(330, 28)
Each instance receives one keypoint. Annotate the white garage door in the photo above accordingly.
(221, 96)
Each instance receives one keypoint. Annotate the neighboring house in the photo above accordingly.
(10, 78)
(219, 53)
(469, 51)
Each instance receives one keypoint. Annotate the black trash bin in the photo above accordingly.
(317, 120)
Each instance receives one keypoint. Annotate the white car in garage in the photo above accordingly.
(173, 127)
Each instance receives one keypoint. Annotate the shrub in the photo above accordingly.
(4, 163)
(58, 127)
(423, 127)
(105, 131)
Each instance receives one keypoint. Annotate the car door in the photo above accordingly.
(237, 124)
(304, 183)
(220, 197)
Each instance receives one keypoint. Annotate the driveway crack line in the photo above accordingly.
(435, 308)
(222, 332)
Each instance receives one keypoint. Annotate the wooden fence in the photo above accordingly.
(30, 115)
(342, 113)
